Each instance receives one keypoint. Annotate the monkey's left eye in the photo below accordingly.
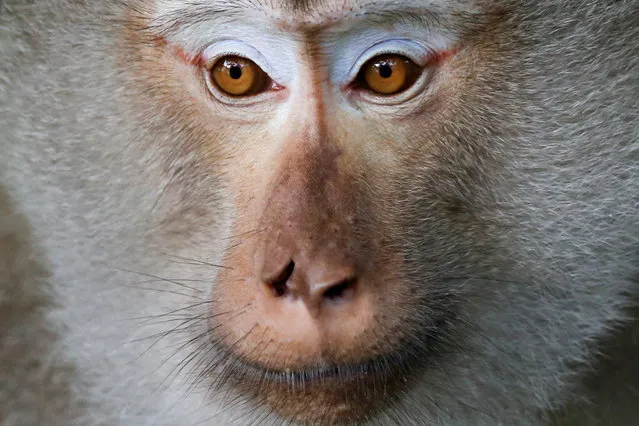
(388, 74)
(237, 76)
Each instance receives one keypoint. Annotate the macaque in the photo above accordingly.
(319, 212)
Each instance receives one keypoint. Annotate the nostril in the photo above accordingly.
(279, 288)
(279, 285)
(340, 290)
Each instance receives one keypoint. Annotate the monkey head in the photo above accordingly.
(402, 207)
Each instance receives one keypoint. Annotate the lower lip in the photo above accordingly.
(341, 373)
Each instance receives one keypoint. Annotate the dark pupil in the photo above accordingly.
(235, 71)
(385, 70)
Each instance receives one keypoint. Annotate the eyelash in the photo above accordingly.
(210, 63)
(362, 60)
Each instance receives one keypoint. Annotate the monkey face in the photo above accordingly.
(334, 145)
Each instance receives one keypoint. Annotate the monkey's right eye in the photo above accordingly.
(237, 76)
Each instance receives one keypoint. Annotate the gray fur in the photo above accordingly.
(97, 208)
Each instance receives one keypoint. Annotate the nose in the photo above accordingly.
(317, 280)
(308, 251)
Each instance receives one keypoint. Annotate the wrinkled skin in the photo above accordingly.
(464, 253)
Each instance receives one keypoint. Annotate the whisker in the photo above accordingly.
(167, 280)
(169, 313)
(177, 293)
(198, 262)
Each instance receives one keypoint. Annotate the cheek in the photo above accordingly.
(185, 149)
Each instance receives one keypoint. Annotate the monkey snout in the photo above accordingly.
(305, 291)
(310, 300)
(307, 280)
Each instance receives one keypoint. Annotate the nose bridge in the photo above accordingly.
(308, 112)
(309, 178)
(310, 192)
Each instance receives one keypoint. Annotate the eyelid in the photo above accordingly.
(411, 49)
(237, 48)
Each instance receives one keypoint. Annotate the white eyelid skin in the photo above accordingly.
(412, 50)
(352, 56)
(239, 48)
(274, 51)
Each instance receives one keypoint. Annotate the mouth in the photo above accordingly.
(328, 393)
(379, 368)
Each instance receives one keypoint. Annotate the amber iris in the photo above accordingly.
(388, 74)
(237, 76)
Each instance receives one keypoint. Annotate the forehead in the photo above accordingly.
(308, 13)
(304, 5)
(320, 7)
